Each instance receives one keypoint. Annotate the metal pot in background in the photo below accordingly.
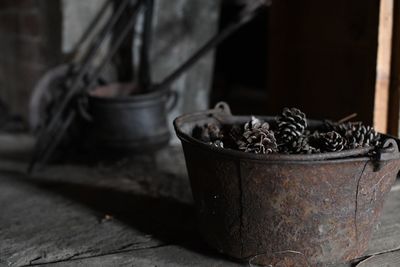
(123, 122)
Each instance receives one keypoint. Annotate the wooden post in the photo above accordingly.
(381, 102)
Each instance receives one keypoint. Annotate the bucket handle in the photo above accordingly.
(222, 107)
(389, 151)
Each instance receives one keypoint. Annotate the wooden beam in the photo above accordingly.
(381, 105)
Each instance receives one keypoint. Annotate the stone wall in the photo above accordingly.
(29, 44)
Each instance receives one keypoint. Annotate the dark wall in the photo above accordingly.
(322, 57)
(30, 41)
(241, 62)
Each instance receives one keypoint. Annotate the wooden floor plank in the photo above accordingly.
(166, 256)
(389, 259)
(38, 226)
(387, 233)
(58, 216)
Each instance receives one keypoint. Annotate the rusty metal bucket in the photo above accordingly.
(323, 206)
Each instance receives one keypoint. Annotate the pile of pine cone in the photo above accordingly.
(288, 134)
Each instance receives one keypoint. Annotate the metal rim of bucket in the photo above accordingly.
(170, 97)
(131, 98)
(221, 112)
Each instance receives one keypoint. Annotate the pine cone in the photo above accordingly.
(361, 136)
(372, 138)
(301, 146)
(217, 143)
(329, 126)
(291, 125)
(233, 133)
(210, 132)
(255, 124)
(357, 134)
(331, 142)
(342, 128)
(257, 138)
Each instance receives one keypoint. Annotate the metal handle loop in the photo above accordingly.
(390, 150)
(223, 107)
(172, 100)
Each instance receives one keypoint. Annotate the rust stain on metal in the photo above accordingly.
(324, 208)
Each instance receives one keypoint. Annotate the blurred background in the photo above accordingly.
(328, 59)
(91, 168)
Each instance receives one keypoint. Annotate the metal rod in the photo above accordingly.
(104, 32)
(90, 28)
(213, 42)
(44, 154)
(77, 83)
(116, 45)
(53, 133)
(56, 129)
(144, 68)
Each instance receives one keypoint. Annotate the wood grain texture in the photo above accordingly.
(135, 212)
(390, 259)
(58, 214)
(381, 106)
(165, 256)
(38, 226)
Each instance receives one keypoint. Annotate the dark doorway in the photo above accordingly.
(241, 63)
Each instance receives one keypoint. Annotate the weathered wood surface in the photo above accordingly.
(391, 259)
(136, 212)
(168, 256)
(138, 206)
(384, 57)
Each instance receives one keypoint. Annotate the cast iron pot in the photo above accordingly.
(322, 206)
(130, 122)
